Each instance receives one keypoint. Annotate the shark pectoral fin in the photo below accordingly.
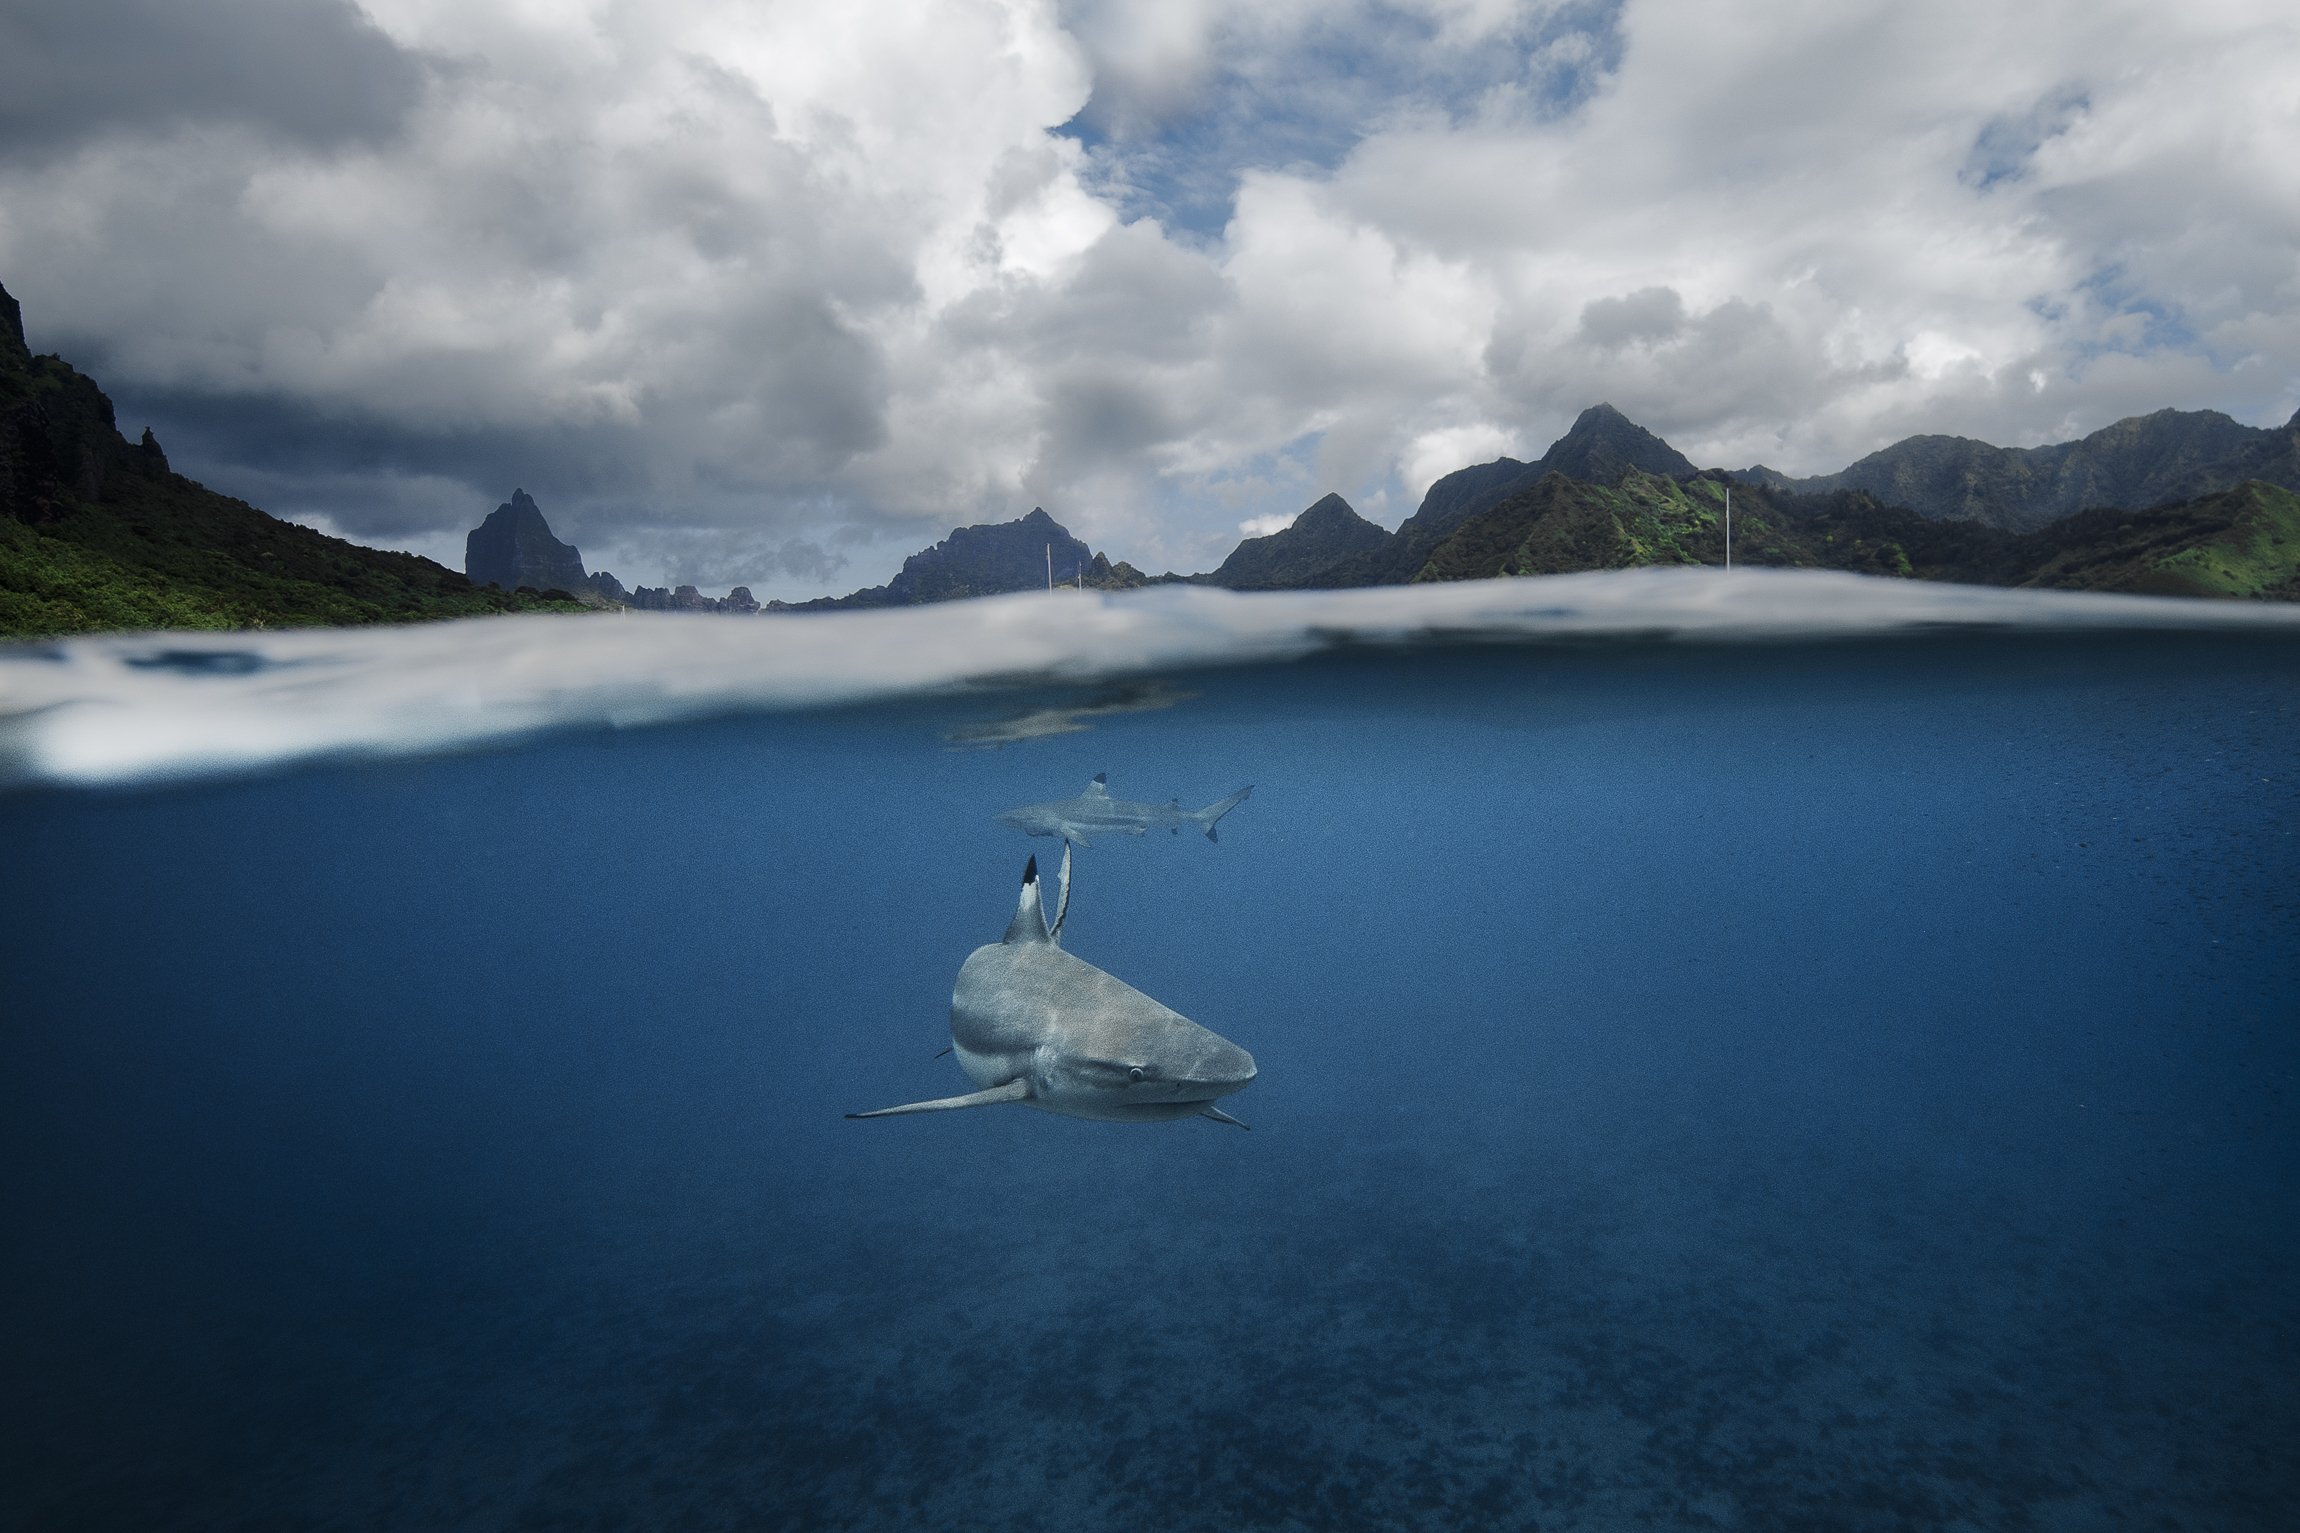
(1012, 1091)
(1210, 1111)
(1073, 838)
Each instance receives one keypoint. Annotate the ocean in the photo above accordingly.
(1757, 1052)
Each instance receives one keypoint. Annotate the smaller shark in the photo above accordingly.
(1096, 811)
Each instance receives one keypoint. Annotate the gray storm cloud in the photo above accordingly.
(314, 72)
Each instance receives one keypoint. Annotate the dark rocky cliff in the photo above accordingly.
(514, 547)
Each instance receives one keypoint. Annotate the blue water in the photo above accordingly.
(1846, 1086)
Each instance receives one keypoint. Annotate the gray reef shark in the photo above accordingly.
(1096, 812)
(1031, 1024)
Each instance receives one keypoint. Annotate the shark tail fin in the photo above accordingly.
(1012, 1091)
(1211, 815)
(1029, 923)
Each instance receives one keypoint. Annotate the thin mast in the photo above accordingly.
(1728, 526)
(1050, 567)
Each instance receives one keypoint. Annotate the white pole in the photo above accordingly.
(1728, 526)
(1050, 567)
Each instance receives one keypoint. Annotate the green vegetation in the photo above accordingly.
(165, 553)
(2242, 542)
(2146, 460)
(1564, 524)
(96, 533)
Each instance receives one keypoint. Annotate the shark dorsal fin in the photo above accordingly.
(1029, 923)
(1099, 787)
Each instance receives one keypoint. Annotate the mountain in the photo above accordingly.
(1601, 446)
(1610, 494)
(1298, 556)
(2241, 542)
(97, 532)
(665, 599)
(516, 550)
(2139, 462)
(514, 547)
(988, 560)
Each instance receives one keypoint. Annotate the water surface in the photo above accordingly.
(1819, 1085)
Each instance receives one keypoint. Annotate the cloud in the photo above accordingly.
(311, 72)
(1191, 95)
(739, 292)
(1651, 315)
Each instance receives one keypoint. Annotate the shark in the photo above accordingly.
(1032, 1024)
(1096, 811)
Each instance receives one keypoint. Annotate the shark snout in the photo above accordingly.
(1223, 1068)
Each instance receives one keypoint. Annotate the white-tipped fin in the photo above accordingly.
(1029, 923)
(1210, 1111)
(1062, 907)
(1099, 787)
(1012, 1091)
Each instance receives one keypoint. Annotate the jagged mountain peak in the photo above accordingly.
(1330, 532)
(515, 547)
(1603, 444)
(989, 559)
(1328, 511)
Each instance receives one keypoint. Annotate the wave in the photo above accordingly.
(117, 709)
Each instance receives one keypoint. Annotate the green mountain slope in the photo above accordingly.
(2142, 461)
(98, 533)
(2243, 542)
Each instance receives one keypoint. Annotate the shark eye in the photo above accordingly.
(1135, 1073)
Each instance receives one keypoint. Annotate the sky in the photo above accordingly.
(763, 293)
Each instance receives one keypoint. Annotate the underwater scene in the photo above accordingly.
(1833, 1073)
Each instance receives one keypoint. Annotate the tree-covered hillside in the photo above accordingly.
(2242, 542)
(97, 533)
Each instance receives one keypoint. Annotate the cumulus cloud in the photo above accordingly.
(740, 292)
